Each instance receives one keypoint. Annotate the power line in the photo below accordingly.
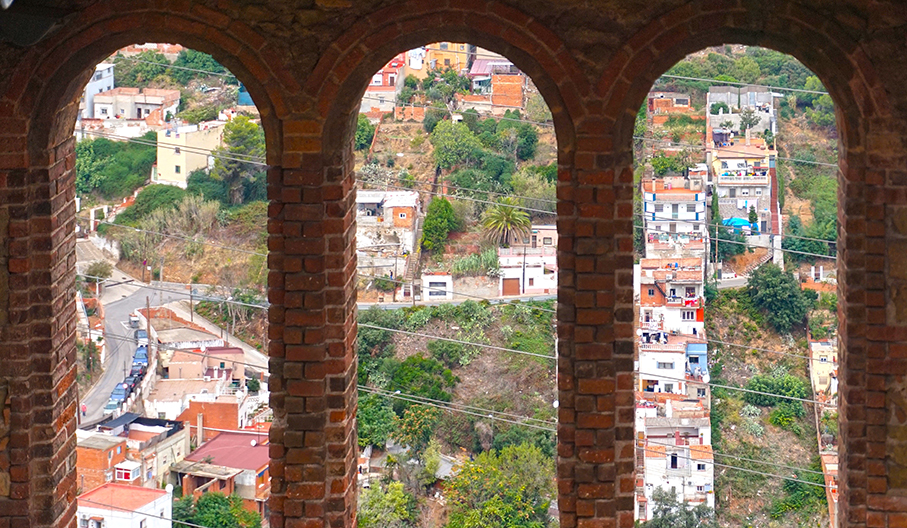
(728, 151)
(728, 387)
(386, 392)
(654, 218)
(185, 238)
(744, 459)
(170, 65)
(433, 193)
(458, 341)
(728, 466)
(754, 246)
(119, 508)
(251, 160)
(461, 294)
(198, 297)
(734, 83)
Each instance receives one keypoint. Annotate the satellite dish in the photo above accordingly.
(639, 331)
(254, 443)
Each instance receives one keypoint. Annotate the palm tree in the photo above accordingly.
(505, 223)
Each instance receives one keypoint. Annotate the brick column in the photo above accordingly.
(595, 328)
(38, 395)
(312, 327)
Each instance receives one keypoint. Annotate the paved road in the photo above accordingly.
(736, 282)
(119, 300)
(505, 300)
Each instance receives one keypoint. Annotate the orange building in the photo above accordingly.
(96, 456)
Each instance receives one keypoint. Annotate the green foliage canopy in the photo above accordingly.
(439, 222)
(365, 132)
(454, 144)
(214, 510)
(778, 294)
(243, 140)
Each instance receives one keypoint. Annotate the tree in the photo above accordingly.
(510, 488)
(200, 63)
(243, 140)
(139, 71)
(453, 144)
(748, 119)
(536, 190)
(214, 510)
(99, 270)
(416, 426)
(439, 222)
(536, 109)
(753, 216)
(719, 107)
(668, 513)
(778, 294)
(506, 222)
(386, 507)
(151, 198)
(365, 132)
(376, 420)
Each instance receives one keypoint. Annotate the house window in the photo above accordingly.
(651, 292)
(689, 315)
(177, 169)
(659, 208)
(700, 393)
(547, 241)
(758, 192)
(447, 62)
(222, 364)
(664, 365)
(674, 466)
(532, 282)
(462, 47)
(443, 45)
(744, 192)
(110, 455)
(669, 387)
(103, 111)
(700, 489)
(143, 523)
(124, 474)
(147, 111)
(176, 150)
(694, 360)
(691, 292)
(699, 467)
(823, 380)
(823, 359)
(402, 215)
(83, 523)
(437, 289)
(122, 111)
(119, 449)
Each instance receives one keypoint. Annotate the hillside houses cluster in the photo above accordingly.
(736, 171)
(195, 423)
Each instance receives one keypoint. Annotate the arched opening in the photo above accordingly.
(456, 278)
(723, 138)
(45, 236)
(838, 79)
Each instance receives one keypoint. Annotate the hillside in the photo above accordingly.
(750, 431)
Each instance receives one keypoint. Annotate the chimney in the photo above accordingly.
(677, 440)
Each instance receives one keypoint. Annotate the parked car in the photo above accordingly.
(141, 337)
(141, 356)
(131, 382)
(119, 393)
(133, 321)
(111, 407)
(138, 372)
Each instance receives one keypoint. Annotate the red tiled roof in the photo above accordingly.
(234, 451)
(119, 496)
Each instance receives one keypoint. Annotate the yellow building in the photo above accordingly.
(443, 55)
(183, 150)
(823, 368)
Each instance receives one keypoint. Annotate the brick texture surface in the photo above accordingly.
(306, 64)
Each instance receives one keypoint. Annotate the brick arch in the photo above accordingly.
(38, 108)
(847, 71)
(340, 78)
(111, 25)
(819, 43)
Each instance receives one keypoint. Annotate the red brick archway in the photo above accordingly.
(823, 46)
(326, 160)
(40, 107)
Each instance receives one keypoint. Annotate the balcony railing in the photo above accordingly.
(651, 325)
(545, 251)
(685, 302)
(742, 180)
(670, 347)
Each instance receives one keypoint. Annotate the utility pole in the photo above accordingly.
(191, 310)
(148, 325)
(161, 280)
(523, 290)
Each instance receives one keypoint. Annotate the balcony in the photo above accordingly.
(732, 178)
(651, 325)
(669, 347)
(684, 302)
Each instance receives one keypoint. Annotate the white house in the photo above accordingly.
(670, 295)
(687, 470)
(122, 506)
(101, 81)
(671, 209)
(437, 287)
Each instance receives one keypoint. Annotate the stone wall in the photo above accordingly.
(306, 65)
